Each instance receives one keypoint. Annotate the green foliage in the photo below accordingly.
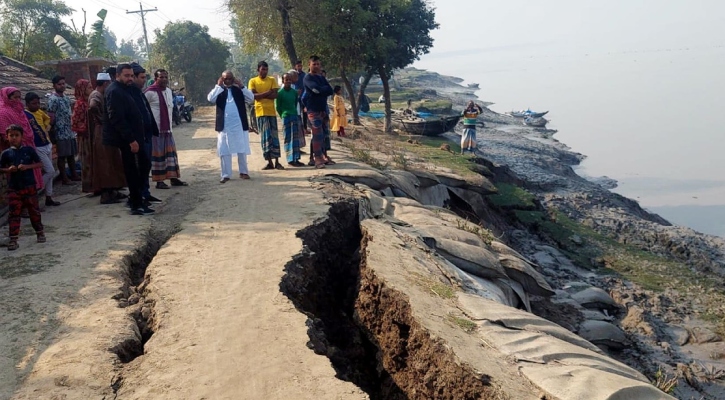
(265, 25)
(127, 50)
(512, 196)
(187, 50)
(96, 42)
(244, 63)
(28, 27)
(92, 44)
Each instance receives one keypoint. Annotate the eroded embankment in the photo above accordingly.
(366, 328)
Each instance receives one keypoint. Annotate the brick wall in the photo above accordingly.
(72, 72)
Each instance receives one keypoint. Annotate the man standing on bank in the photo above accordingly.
(317, 90)
(265, 91)
(124, 128)
(164, 161)
(231, 123)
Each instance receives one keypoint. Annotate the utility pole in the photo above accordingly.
(143, 23)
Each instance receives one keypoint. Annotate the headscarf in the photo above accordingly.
(13, 112)
(79, 119)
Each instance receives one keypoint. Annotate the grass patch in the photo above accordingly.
(466, 324)
(364, 156)
(650, 271)
(429, 149)
(511, 196)
(483, 233)
(531, 219)
(435, 287)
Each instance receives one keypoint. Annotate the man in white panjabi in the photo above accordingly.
(232, 126)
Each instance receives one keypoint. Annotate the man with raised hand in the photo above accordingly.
(231, 124)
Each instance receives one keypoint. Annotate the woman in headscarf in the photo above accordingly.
(79, 125)
(13, 112)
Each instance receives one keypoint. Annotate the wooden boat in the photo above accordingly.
(426, 127)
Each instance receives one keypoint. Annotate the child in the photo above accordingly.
(339, 116)
(19, 162)
(40, 124)
(286, 105)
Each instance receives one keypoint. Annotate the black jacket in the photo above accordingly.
(221, 103)
(149, 122)
(124, 123)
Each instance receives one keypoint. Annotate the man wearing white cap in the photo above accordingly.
(106, 166)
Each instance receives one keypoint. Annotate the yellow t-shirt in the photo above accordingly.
(43, 119)
(264, 107)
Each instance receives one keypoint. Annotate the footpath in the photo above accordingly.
(212, 321)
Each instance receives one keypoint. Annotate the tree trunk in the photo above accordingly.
(360, 96)
(388, 125)
(351, 93)
(289, 44)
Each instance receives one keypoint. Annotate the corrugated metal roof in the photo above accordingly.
(25, 78)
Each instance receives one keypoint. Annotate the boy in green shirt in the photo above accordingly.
(286, 105)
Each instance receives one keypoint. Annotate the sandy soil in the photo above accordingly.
(222, 328)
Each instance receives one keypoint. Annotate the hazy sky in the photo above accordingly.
(211, 13)
(491, 24)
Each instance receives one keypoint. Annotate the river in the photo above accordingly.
(637, 87)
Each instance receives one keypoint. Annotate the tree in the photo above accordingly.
(400, 35)
(111, 41)
(267, 25)
(28, 28)
(91, 44)
(188, 51)
(127, 51)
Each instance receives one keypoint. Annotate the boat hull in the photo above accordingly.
(430, 127)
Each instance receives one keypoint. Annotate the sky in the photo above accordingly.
(211, 13)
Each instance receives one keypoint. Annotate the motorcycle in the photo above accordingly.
(182, 108)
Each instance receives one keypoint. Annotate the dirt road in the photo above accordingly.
(221, 327)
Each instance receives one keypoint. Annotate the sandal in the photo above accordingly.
(41, 238)
(178, 182)
(162, 185)
(13, 245)
(279, 167)
(244, 176)
(268, 167)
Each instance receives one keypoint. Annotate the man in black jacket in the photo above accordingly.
(149, 126)
(124, 128)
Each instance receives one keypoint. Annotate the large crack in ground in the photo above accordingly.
(133, 294)
(366, 329)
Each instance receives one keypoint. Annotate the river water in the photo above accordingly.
(637, 87)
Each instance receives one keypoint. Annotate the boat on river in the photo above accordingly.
(425, 126)
(527, 113)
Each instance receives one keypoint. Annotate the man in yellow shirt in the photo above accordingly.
(265, 91)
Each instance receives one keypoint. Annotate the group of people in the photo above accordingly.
(301, 103)
(121, 132)
(118, 130)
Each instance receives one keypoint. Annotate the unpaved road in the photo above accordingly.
(223, 330)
